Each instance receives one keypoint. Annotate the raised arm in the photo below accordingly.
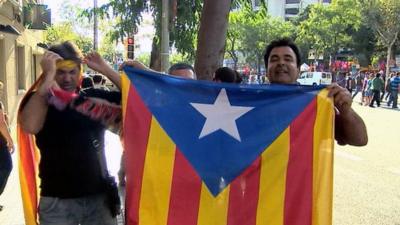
(97, 63)
(349, 127)
(33, 112)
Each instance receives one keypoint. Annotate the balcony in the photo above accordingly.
(37, 16)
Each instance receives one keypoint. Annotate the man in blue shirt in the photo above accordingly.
(394, 90)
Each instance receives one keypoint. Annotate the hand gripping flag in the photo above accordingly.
(203, 153)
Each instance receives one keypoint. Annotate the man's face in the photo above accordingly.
(282, 66)
(68, 78)
(185, 73)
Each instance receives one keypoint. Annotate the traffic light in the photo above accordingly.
(130, 48)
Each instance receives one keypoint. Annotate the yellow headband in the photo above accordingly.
(66, 64)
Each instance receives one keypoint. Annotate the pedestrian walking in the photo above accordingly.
(394, 90)
(377, 87)
(6, 147)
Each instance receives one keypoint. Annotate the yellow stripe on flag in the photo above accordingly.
(323, 161)
(157, 177)
(274, 162)
(125, 86)
(29, 212)
(213, 210)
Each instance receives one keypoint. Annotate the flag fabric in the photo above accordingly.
(204, 153)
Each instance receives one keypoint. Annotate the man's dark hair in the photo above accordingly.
(225, 74)
(378, 75)
(181, 66)
(68, 50)
(282, 43)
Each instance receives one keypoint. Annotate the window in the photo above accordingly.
(309, 75)
(323, 75)
(292, 11)
(20, 67)
(292, 1)
(326, 1)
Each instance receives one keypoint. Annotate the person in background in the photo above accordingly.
(6, 147)
(226, 75)
(358, 83)
(182, 70)
(394, 90)
(377, 86)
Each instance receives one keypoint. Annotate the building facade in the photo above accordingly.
(286, 9)
(19, 53)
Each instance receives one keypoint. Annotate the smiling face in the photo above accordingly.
(282, 66)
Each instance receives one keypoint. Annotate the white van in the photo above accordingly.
(315, 78)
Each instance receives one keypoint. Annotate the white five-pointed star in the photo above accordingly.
(221, 115)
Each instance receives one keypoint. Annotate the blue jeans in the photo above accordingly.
(393, 98)
(90, 210)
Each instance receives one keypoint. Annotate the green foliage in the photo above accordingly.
(251, 31)
(144, 58)
(363, 44)
(383, 17)
(184, 20)
(330, 27)
(64, 32)
(178, 58)
(127, 13)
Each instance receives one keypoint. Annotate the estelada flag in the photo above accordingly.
(204, 153)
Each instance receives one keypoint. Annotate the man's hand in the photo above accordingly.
(10, 146)
(96, 62)
(49, 68)
(341, 98)
(48, 63)
(134, 64)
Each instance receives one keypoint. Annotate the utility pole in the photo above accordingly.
(164, 36)
(95, 34)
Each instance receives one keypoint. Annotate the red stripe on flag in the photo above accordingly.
(298, 195)
(136, 134)
(185, 193)
(243, 196)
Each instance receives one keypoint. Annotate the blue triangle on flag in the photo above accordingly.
(218, 158)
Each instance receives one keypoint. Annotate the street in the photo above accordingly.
(366, 180)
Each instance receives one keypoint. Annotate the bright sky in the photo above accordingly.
(54, 5)
(144, 36)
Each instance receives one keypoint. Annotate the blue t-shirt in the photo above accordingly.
(394, 83)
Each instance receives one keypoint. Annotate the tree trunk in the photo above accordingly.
(155, 58)
(211, 37)
(388, 57)
(389, 53)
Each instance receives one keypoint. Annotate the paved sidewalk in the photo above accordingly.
(12, 213)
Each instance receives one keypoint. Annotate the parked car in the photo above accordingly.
(315, 78)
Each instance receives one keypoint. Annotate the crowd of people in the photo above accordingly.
(375, 88)
(74, 188)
